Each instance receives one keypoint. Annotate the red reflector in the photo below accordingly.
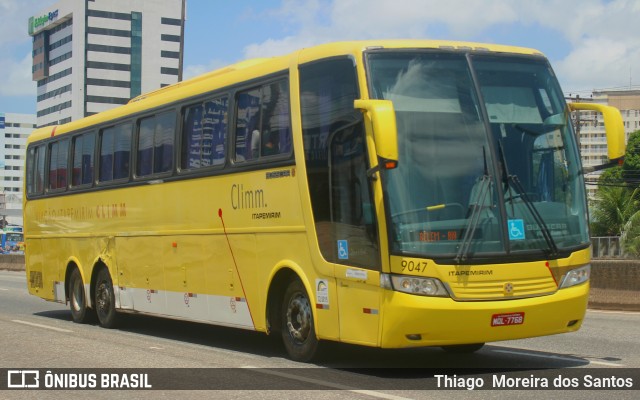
(390, 164)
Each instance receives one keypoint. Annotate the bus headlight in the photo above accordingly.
(576, 276)
(415, 285)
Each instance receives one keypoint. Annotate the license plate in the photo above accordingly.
(507, 319)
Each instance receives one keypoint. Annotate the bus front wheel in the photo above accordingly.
(105, 300)
(298, 329)
(77, 298)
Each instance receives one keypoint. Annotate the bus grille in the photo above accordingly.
(503, 289)
(35, 279)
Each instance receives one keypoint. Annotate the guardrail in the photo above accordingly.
(615, 284)
(606, 247)
(12, 262)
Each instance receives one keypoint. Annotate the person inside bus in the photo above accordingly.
(271, 146)
(255, 144)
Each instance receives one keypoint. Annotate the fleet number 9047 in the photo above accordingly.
(413, 266)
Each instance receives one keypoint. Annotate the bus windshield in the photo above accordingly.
(488, 165)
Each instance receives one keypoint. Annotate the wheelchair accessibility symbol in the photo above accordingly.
(516, 229)
(343, 250)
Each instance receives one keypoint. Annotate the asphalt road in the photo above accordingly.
(35, 334)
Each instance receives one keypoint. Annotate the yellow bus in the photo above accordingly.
(382, 193)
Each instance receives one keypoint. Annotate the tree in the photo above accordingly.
(630, 238)
(612, 209)
(616, 209)
(631, 165)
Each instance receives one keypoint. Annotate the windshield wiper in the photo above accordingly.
(477, 205)
(517, 185)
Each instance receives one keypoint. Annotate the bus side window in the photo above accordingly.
(214, 132)
(145, 146)
(192, 137)
(247, 125)
(204, 134)
(115, 152)
(35, 170)
(83, 159)
(276, 135)
(263, 122)
(58, 161)
(155, 144)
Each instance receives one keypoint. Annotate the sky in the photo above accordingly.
(591, 44)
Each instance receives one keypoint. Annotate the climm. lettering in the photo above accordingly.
(117, 210)
(242, 199)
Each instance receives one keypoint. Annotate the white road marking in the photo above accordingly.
(13, 277)
(561, 358)
(53, 328)
(604, 363)
(613, 312)
(4, 290)
(319, 382)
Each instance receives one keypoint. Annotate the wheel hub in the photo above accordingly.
(299, 318)
(102, 297)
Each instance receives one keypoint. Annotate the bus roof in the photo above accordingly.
(253, 68)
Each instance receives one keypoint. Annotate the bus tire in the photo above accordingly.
(298, 328)
(463, 348)
(105, 300)
(77, 298)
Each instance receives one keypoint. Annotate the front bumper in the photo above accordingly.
(412, 321)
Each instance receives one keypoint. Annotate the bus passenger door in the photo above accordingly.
(356, 251)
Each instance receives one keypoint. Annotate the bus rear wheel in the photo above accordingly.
(298, 328)
(105, 300)
(77, 298)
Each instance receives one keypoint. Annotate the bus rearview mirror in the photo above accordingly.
(385, 134)
(613, 126)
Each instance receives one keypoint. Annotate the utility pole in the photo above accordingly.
(575, 117)
(578, 120)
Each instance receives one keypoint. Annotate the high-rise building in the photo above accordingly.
(93, 55)
(14, 129)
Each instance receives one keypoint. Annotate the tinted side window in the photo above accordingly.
(214, 131)
(145, 146)
(155, 144)
(204, 134)
(263, 122)
(83, 159)
(35, 170)
(58, 159)
(192, 137)
(248, 125)
(276, 134)
(165, 134)
(115, 152)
